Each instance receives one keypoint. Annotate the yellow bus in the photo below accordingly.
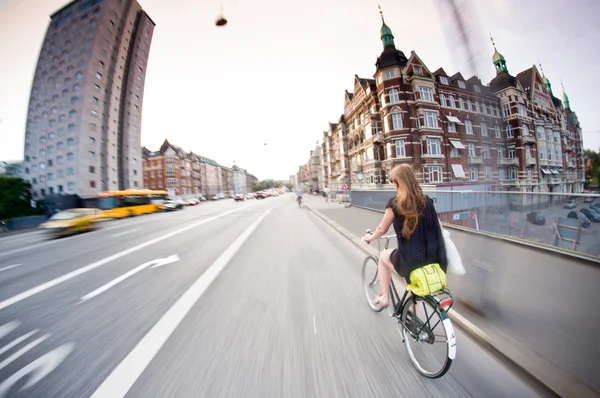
(130, 202)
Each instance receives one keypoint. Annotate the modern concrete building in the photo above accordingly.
(83, 131)
(239, 180)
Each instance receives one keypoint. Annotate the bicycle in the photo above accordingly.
(299, 199)
(412, 328)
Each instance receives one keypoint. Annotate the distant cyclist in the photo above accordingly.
(299, 194)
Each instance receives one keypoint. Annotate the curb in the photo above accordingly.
(546, 376)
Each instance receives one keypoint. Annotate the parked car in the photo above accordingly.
(214, 197)
(588, 199)
(595, 206)
(585, 222)
(238, 198)
(170, 205)
(570, 204)
(249, 196)
(592, 214)
(536, 218)
(193, 202)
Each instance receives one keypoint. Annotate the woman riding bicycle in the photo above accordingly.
(420, 240)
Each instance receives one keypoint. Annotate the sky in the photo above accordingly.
(276, 74)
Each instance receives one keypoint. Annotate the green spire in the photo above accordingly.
(545, 80)
(498, 59)
(387, 38)
(565, 98)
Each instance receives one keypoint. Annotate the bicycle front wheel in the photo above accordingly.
(371, 282)
(428, 335)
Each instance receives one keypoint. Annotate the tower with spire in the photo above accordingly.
(498, 59)
(566, 101)
(390, 56)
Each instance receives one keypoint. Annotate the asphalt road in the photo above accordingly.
(253, 299)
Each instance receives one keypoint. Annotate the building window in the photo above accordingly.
(506, 110)
(388, 74)
(454, 153)
(513, 173)
(471, 149)
(473, 173)
(509, 131)
(98, 76)
(461, 103)
(511, 153)
(70, 141)
(486, 151)
(71, 128)
(524, 130)
(468, 126)
(484, 130)
(542, 154)
(92, 170)
(500, 174)
(444, 80)
(430, 119)
(393, 97)
(469, 105)
(400, 148)
(94, 100)
(432, 174)
(462, 84)
(443, 100)
(96, 87)
(94, 113)
(484, 107)
(70, 157)
(477, 107)
(529, 173)
(92, 126)
(451, 101)
(528, 151)
(396, 121)
(59, 160)
(92, 140)
(426, 94)
(434, 146)
(452, 127)
(92, 155)
(522, 110)
(497, 131)
(477, 88)
(487, 171)
(92, 184)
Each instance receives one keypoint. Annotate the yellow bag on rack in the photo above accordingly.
(427, 280)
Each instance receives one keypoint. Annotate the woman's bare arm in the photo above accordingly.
(384, 226)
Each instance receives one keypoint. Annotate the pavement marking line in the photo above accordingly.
(126, 275)
(23, 351)
(122, 378)
(17, 341)
(9, 267)
(315, 325)
(125, 232)
(8, 327)
(57, 281)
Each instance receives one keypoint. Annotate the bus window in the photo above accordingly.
(107, 203)
(135, 200)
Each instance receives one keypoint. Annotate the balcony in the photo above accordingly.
(507, 162)
(528, 139)
(474, 160)
(531, 161)
(378, 137)
(568, 148)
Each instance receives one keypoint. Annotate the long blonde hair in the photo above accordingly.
(409, 198)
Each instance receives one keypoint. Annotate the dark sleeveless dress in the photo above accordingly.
(425, 246)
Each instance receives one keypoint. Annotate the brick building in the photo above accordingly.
(186, 173)
(512, 134)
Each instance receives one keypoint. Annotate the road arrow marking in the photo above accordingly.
(154, 263)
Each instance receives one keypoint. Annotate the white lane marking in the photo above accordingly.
(56, 281)
(125, 232)
(37, 369)
(17, 341)
(37, 246)
(23, 351)
(8, 327)
(315, 325)
(9, 267)
(114, 282)
(118, 383)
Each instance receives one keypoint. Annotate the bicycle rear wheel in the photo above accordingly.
(371, 282)
(431, 343)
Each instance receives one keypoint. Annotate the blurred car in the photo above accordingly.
(588, 199)
(595, 206)
(170, 205)
(193, 202)
(585, 222)
(592, 214)
(570, 204)
(215, 197)
(536, 218)
(238, 198)
(72, 221)
(249, 196)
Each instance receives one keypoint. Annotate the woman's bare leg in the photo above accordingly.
(384, 271)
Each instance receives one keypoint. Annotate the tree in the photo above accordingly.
(593, 172)
(289, 186)
(15, 198)
(257, 187)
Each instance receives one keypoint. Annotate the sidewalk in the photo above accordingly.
(352, 223)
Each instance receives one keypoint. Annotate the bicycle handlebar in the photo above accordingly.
(384, 237)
